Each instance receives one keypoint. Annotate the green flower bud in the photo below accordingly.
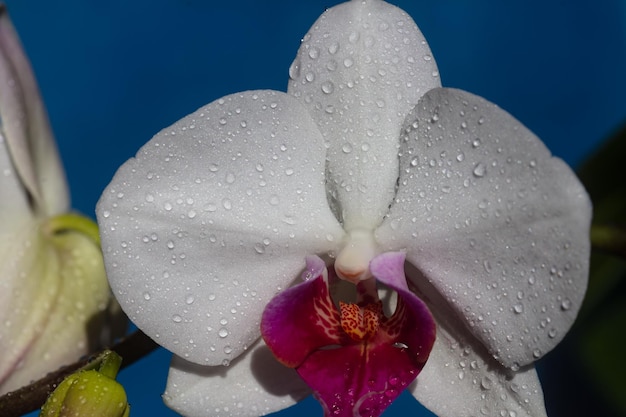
(90, 393)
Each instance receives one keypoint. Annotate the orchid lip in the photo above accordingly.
(355, 350)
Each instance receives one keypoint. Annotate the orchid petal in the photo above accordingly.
(26, 128)
(494, 222)
(370, 374)
(15, 208)
(213, 217)
(49, 320)
(461, 379)
(302, 328)
(360, 70)
(26, 300)
(302, 318)
(252, 385)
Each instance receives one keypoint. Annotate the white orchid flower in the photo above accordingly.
(364, 162)
(53, 289)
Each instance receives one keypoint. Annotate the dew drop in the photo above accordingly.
(566, 304)
(479, 170)
(328, 87)
(294, 70)
(176, 318)
(223, 332)
(346, 148)
(486, 383)
(274, 200)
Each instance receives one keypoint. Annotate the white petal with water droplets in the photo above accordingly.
(254, 384)
(213, 217)
(361, 68)
(461, 379)
(494, 222)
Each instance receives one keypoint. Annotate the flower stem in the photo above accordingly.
(32, 397)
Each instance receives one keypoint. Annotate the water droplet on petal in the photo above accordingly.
(480, 170)
(566, 304)
(223, 332)
(486, 383)
(328, 87)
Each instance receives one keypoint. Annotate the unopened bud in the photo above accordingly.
(89, 393)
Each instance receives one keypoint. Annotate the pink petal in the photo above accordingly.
(303, 318)
(360, 380)
(350, 377)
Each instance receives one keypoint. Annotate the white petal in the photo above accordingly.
(14, 204)
(50, 316)
(213, 217)
(29, 287)
(461, 379)
(25, 127)
(254, 384)
(360, 70)
(494, 222)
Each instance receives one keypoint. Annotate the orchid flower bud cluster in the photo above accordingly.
(53, 289)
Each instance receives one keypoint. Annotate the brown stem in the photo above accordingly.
(31, 397)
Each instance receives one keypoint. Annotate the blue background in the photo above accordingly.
(113, 73)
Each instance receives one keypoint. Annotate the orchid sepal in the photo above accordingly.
(53, 290)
